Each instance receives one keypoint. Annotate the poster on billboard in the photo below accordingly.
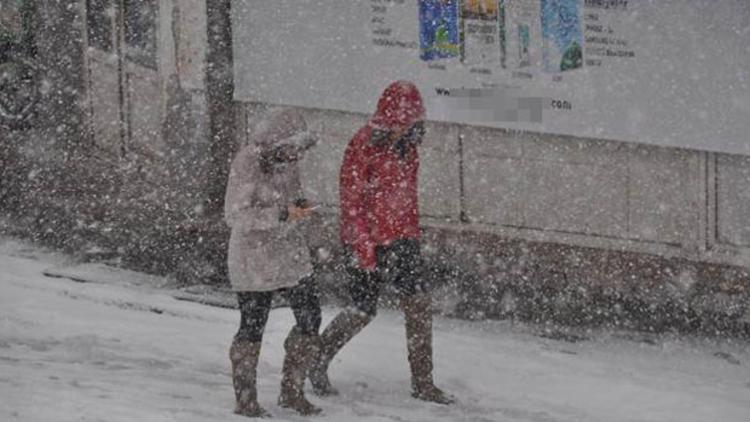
(671, 73)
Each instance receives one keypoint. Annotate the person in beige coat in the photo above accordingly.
(268, 254)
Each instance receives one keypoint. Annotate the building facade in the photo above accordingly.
(136, 110)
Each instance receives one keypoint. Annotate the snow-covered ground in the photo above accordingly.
(108, 351)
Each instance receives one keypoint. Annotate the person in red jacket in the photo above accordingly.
(380, 233)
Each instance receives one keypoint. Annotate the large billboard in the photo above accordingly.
(667, 72)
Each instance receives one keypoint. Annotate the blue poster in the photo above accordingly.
(562, 39)
(439, 35)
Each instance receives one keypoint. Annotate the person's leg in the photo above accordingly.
(364, 289)
(254, 309)
(304, 300)
(404, 264)
(301, 345)
(245, 351)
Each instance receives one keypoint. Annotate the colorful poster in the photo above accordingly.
(562, 39)
(480, 32)
(597, 69)
(522, 37)
(439, 36)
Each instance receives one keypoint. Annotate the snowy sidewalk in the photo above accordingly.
(106, 352)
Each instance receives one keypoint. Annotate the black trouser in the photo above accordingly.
(303, 298)
(398, 264)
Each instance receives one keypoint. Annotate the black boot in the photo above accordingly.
(418, 313)
(342, 329)
(244, 357)
(300, 350)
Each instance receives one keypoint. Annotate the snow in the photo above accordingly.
(126, 351)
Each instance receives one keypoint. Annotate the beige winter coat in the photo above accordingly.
(266, 253)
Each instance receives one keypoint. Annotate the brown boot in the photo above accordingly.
(342, 329)
(244, 357)
(418, 313)
(300, 350)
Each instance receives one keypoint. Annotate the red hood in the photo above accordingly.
(399, 107)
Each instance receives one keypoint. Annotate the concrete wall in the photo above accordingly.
(506, 214)
(732, 184)
(552, 228)
(610, 195)
(625, 197)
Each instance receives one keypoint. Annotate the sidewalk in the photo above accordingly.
(124, 350)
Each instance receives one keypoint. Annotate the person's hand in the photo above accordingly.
(297, 213)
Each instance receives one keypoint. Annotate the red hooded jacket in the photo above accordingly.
(377, 184)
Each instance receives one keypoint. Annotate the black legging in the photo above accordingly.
(399, 264)
(303, 298)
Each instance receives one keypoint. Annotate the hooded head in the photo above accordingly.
(283, 137)
(284, 127)
(399, 107)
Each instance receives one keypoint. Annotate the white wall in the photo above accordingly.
(733, 200)
(613, 195)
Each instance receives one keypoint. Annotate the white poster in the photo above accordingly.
(668, 72)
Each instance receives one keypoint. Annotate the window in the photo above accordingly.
(140, 30)
(138, 27)
(10, 19)
(99, 17)
(17, 28)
